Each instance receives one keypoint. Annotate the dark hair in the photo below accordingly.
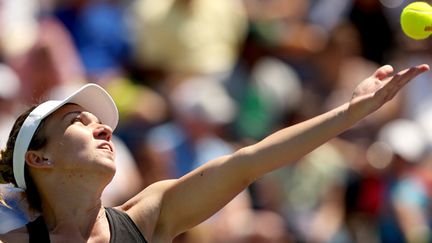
(6, 159)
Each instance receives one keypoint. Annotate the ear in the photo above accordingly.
(36, 159)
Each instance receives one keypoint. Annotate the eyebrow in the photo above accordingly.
(77, 112)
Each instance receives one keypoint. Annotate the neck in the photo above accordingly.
(73, 212)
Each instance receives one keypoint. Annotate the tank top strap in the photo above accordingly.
(38, 232)
(122, 227)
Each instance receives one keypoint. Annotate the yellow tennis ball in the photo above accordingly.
(416, 20)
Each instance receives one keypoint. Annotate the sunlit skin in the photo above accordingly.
(72, 171)
(77, 164)
(76, 139)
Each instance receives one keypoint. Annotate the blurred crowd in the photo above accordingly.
(197, 79)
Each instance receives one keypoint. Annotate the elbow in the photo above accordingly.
(246, 165)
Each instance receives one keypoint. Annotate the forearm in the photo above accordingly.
(292, 143)
(218, 181)
(196, 196)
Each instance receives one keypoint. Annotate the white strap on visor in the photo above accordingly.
(25, 136)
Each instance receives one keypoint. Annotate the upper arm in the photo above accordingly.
(167, 208)
(144, 208)
(175, 206)
(199, 194)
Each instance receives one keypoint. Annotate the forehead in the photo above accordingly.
(54, 119)
(58, 114)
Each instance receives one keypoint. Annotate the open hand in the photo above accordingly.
(379, 88)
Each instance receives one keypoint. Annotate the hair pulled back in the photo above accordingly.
(6, 159)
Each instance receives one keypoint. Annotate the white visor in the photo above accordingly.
(91, 97)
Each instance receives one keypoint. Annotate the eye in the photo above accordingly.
(76, 119)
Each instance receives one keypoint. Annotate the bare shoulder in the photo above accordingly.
(151, 194)
(15, 236)
(144, 208)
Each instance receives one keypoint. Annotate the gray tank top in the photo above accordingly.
(122, 229)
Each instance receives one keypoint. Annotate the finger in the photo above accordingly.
(423, 67)
(403, 77)
(418, 69)
(406, 74)
(383, 72)
(413, 71)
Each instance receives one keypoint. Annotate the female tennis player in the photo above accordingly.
(61, 154)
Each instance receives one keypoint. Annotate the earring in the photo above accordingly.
(47, 161)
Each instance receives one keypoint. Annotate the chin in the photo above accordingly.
(108, 173)
(106, 166)
(111, 166)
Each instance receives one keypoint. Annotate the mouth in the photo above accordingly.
(106, 146)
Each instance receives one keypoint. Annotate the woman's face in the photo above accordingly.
(78, 143)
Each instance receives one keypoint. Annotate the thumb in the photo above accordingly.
(382, 72)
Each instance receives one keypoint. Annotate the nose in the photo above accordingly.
(103, 132)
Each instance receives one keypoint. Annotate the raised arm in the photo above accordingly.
(196, 196)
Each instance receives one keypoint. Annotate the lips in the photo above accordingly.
(106, 146)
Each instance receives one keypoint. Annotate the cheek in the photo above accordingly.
(73, 144)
